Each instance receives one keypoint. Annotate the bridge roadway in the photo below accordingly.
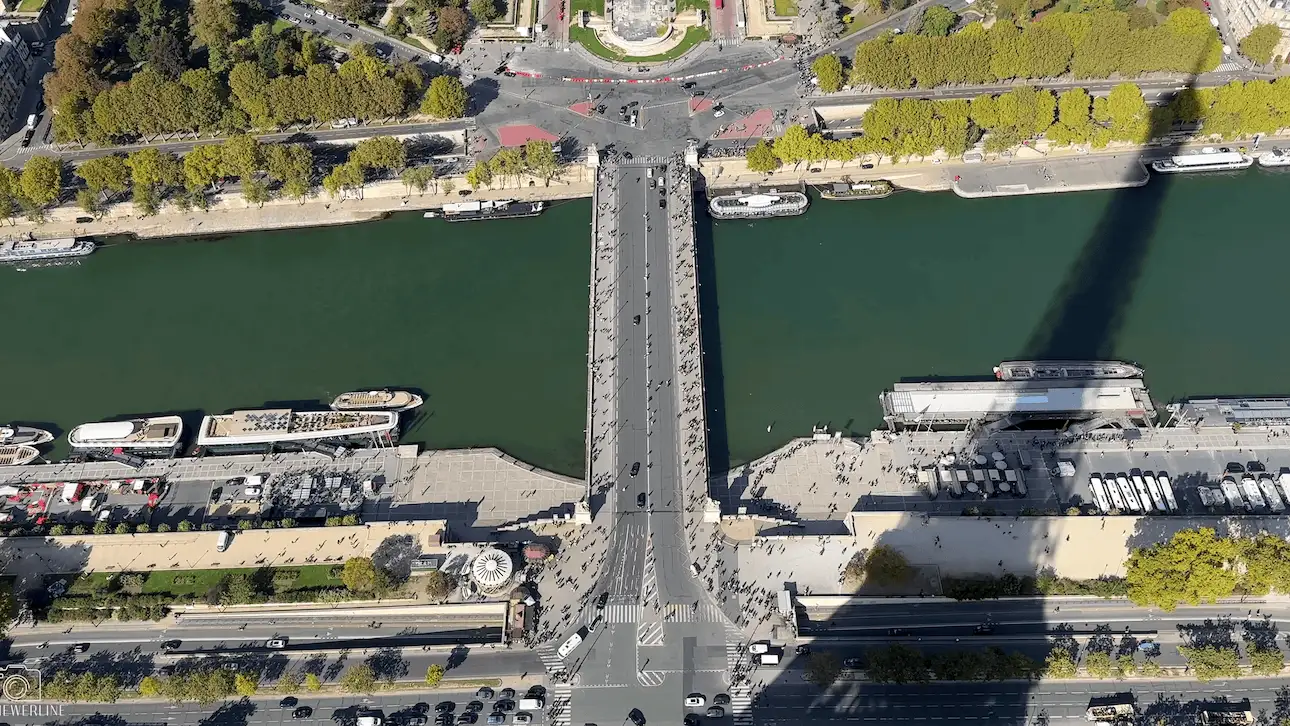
(660, 636)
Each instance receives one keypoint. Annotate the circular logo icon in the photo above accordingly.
(16, 687)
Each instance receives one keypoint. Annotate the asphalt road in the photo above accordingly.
(266, 711)
(1169, 703)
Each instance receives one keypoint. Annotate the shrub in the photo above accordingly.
(185, 526)
(58, 530)
(123, 528)
(143, 529)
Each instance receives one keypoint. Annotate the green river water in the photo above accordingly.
(806, 319)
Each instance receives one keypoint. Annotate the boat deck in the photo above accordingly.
(284, 420)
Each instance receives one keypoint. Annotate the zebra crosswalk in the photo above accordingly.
(1228, 67)
(741, 706)
(682, 613)
(622, 613)
(559, 712)
(550, 659)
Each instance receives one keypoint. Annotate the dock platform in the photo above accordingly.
(1050, 177)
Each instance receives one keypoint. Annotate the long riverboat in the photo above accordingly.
(20, 251)
(1025, 370)
(876, 189)
(496, 209)
(151, 436)
(1208, 159)
(755, 206)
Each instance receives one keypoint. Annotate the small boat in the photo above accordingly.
(744, 205)
(876, 189)
(1276, 157)
(1026, 370)
(384, 400)
(17, 455)
(156, 436)
(15, 435)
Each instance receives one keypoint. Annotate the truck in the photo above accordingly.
(1233, 494)
(1227, 713)
(532, 704)
(1270, 494)
(72, 491)
(92, 502)
(770, 658)
(1111, 709)
(1167, 488)
(1099, 494)
(1252, 494)
(1144, 496)
(569, 645)
(1126, 490)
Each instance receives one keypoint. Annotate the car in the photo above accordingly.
(421, 707)
(320, 11)
(721, 699)
(444, 719)
(636, 468)
(522, 718)
(504, 704)
(758, 648)
(475, 706)
(302, 712)
(413, 719)
(467, 717)
(866, 166)
(1224, 149)
(80, 647)
(496, 719)
(293, 21)
(170, 645)
(289, 702)
(600, 605)
(230, 666)
(633, 119)
(687, 84)
(691, 719)
(662, 204)
(635, 714)
(897, 632)
(346, 36)
(276, 643)
(697, 94)
(983, 629)
(310, 21)
(803, 649)
(166, 670)
(252, 492)
(719, 113)
(627, 155)
(1227, 50)
(695, 700)
(445, 707)
(634, 104)
(715, 712)
(852, 663)
(599, 109)
(1235, 468)
(640, 499)
(484, 692)
(622, 110)
(636, 320)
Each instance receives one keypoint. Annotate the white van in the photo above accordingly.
(532, 704)
(225, 538)
(758, 648)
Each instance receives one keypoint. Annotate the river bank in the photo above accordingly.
(231, 213)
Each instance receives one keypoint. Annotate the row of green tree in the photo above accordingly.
(904, 664)
(1097, 44)
(536, 158)
(1197, 566)
(206, 685)
(907, 127)
(363, 88)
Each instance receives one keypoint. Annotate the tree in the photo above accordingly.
(150, 687)
(418, 177)
(216, 23)
(88, 202)
(42, 180)
(540, 159)
(896, 664)
(1212, 662)
(203, 166)
(1059, 663)
(290, 682)
(439, 585)
(885, 566)
(1192, 567)
(507, 163)
(828, 71)
(342, 178)
(761, 158)
(434, 675)
(360, 9)
(1260, 43)
(361, 576)
(312, 683)
(485, 11)
(479, 175)
(937, 21)
(1100, 664)
(445, 98)
(246, 684)
(105, 173)
(823, 668)
(380, 152)
(292, 165)
(454, 24)
(242, 156)
(1266, 661)
(1265, 561)
(358, 678)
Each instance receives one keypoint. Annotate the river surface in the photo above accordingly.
(806, 319)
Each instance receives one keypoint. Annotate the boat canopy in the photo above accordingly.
(104, 431)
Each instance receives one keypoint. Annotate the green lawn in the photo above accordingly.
(785, 8)
(860, 18)
(595, 7)
(280, 25)
(587, 37)
(704, 5)
(310, 576)
(30, 6)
